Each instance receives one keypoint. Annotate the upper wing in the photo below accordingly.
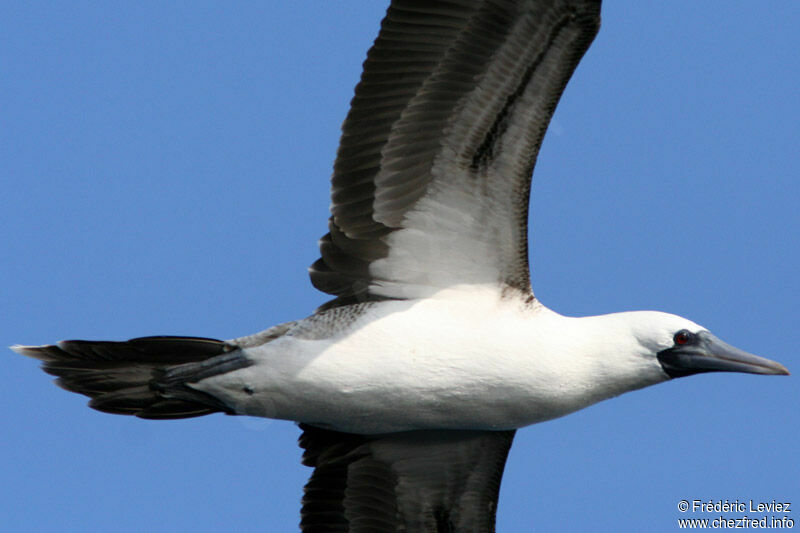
(432, 177)
(437, 481)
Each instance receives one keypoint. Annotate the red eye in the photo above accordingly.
(682, 337)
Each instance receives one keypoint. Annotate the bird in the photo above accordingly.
(410, 383)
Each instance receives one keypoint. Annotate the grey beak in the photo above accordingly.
(711, 354)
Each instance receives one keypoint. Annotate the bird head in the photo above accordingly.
(683, 348)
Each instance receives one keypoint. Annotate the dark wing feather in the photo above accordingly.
(431, 181)
(437, 481)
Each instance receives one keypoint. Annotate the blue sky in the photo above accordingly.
(167, 173)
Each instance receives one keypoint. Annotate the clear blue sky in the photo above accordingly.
(166, 172)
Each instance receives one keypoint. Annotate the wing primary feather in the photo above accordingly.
(438, 148)
(442, 481)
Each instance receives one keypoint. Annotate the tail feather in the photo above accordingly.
(145, 377)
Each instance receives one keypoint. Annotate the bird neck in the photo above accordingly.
(590, 359)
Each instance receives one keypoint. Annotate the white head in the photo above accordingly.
(682, 348)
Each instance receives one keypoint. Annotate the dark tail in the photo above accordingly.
(146, 377)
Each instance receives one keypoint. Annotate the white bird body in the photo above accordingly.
(410, 382)
(465, 358)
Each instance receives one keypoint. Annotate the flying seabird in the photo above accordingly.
(410, 383)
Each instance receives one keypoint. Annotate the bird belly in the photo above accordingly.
(392, 390)
(434, 364)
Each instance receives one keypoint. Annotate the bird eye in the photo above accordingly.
(682, 337)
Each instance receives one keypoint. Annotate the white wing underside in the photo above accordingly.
(431, 182)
